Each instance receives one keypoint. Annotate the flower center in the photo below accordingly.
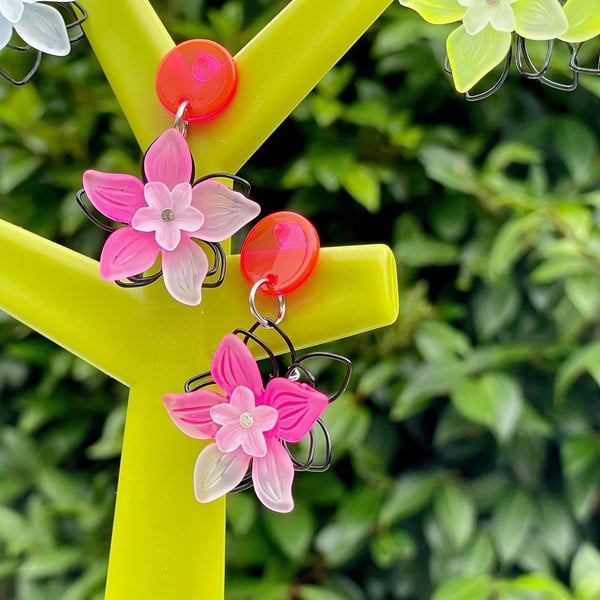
(167, 215)
(493, 2)
(246, 420)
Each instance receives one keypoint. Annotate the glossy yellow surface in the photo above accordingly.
(166, 545)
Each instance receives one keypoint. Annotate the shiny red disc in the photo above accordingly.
(201, 72)
(282, 248)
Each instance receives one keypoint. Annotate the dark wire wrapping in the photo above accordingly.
(218, 267)
(293, 371)
(526, 67)
(78, 17)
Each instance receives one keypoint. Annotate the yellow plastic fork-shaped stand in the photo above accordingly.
(165, 545)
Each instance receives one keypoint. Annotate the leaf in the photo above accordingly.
(512, 240)
(495, 306)
(451, 168)
(15, 531)
(314, 592)
(19, 167)
(576, 146)
(438, 341)
(389, 547)
(326, 111)
(341, 539)
(479, 557)
(241, 513)
(410, 494)
(583, 290)
(292, 532)
(427, 382)
(454, 510)
(51, 563)
(348, 424)
(585, 572)
(581, 360)
(494, 400)
(579, 453)
(555, 529)
(541, 582)
(362, 183)
(511, 520)
(511, 152)
(583, 493)
(478, 587)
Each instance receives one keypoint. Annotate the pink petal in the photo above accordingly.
(230, 437)
(298, 405)
(158, 195)
(189, 219)
(254, 443)
(273, 475)
(216, 473)
(115, 195)
(233, 365)
(146, 218)
(168, 236)
(265, 417)
(169, 159)
(127, 252)
(191, 412)
(182, 196)
(224, 210)
(243, 399)
(224, 413)
(184, 270)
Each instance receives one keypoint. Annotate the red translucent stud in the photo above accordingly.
(201, 73)
(282, 249)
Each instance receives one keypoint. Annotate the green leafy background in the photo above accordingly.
(467, 447)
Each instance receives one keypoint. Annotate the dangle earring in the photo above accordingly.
(32, 27)
(261, 424)
(167, 212)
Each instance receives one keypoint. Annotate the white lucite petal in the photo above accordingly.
(44, 29)
(11, 10)
(540, 19)
(217, 473)
(5, 32)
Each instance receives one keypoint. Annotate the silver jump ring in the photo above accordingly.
(267, 323)
(180, 123)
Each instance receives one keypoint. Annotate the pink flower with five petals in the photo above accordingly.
(248, 423)
(163, 214)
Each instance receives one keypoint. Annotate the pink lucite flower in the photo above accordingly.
(164, 213)
(248, 423)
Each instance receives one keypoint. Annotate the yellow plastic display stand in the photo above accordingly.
(165, 544)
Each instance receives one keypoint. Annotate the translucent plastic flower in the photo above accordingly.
(163, 214)
(484, 38)
(247, 423)
(39, 25)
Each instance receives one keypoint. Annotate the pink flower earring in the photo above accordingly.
(167, 212)
(258, 429)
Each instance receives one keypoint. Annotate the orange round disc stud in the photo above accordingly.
(282, 248)
(201, 73)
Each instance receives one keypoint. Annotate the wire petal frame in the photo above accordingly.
(527, 67)
(73, 25)
(318, 436)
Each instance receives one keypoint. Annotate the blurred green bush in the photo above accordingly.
(467, 448)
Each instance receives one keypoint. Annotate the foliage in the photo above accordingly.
(467, 449)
